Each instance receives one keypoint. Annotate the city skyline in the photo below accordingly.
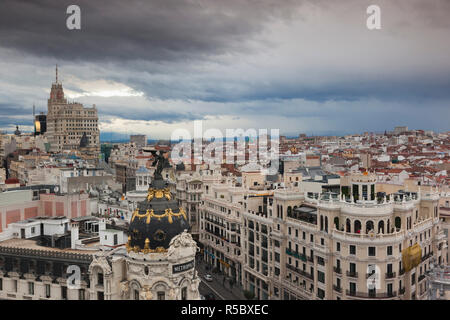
(302, 67)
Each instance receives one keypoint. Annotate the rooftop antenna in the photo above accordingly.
(34, 117)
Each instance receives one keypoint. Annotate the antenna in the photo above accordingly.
(34, 119)
(56, 73)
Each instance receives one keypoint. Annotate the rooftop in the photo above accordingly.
(31, 244)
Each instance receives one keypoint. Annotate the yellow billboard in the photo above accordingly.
(411, 257)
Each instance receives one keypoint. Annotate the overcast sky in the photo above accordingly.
(300, 66)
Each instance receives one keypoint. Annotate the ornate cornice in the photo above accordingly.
(151, 214)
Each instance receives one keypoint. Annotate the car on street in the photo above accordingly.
(208, 277)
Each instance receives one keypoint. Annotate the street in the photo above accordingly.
(220, 290)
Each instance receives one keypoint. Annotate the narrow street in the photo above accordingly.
(220, 289)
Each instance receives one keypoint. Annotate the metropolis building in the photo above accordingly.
(156, 263)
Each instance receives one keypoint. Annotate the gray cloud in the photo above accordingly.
(246, 59)
(157, 30)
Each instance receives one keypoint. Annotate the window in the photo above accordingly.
(15, 286)
(338, 246)
(81, 294)
(31, 288)
(277, 257)
(1, 284)
(352, 287)
(320, 261)
(389, 289)
(184, 293)
(64, 293)
(47, 291)
(352, 249)
(322, 241)
(100, 278)
(320, 293)
(371, 251)
(321, 276)
(161, 295)
(389, 250)
(312, 238)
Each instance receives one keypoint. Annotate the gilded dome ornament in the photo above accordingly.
(157, 219)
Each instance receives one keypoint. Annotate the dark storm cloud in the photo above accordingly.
(157, 30)
(150, 115)
(8, 109)
(246, 59)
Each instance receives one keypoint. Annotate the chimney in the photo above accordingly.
(74, 234)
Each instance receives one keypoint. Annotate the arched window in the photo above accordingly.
(398, 222)
(369, 226)
(336, 223)
(357, 226)
(347, 225)
(135, 290)
(381, 226)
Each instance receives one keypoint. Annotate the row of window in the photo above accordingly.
(31, 291)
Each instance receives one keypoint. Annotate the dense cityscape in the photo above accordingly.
(361, 216)
(211, 159)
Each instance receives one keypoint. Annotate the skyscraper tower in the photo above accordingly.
(67, 122)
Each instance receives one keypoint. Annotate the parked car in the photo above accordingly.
(208, 277)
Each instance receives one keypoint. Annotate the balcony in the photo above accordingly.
(421, 277)
(214, 233)
(296, 254)
(402, 290)
(310, 259)
(338, 289)
(367, 295)
(301, 272)
(402, 272)
(390, 275)
(425, 257)
(337, 270)
(352, 274)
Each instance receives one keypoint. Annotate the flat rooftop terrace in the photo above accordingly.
(31, 244)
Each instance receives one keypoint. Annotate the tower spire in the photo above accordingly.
(56, 73)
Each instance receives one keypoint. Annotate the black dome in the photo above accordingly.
(156, 220)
